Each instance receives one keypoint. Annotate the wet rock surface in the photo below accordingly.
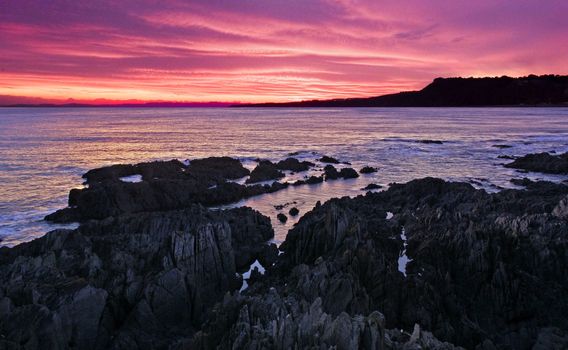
(542, 162)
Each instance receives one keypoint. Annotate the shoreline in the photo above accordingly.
(340, 264)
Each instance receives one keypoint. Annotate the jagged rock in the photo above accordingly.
(371, 187)
(561, 210)
(542, 162)
(490, 254)
(265, 171)
(132, 281)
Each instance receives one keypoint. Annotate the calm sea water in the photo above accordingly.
(44, 152)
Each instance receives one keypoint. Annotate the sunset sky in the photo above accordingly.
(267, 50)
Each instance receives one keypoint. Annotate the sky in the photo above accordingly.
(267, 50)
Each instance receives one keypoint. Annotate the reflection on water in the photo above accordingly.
(43, 152)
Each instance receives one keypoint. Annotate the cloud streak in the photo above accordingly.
(269, 50)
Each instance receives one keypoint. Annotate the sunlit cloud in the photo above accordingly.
(253, 51)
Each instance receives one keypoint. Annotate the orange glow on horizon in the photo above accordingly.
(267, 52)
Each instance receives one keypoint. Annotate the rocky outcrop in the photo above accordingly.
(293, 164)
(542, 162)
(274, 321)
(265, 171)
(422, 265)
(331, 173)
(478, 270)
(133, 281)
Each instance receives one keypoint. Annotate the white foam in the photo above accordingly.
(403, 260)
(246, 275)
(131, 178)
(389, 215)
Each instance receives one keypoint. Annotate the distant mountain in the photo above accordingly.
(460, 92)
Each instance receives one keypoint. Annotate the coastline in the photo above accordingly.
(338, 268)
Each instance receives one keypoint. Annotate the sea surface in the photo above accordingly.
(44, 151)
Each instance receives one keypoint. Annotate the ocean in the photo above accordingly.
(44, 151)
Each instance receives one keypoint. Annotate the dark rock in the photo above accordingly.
(173, 169)
(282, 206)
(506, 157)
(544, 90)
(368, 170)
(371, 187)
(330, 172)
(141, 280)
(226, 167)
(327, 159)
(269, 255)
(294, 211)
(265, 171)
(174, 187)
(294, 165)
(542, 162)
(435, 142)
(281, 217)
(312, 180)
(348, 173)
(502, 146)
(465, 242)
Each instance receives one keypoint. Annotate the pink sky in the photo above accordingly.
(268, 50)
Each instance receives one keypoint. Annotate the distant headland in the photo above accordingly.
(532, 90)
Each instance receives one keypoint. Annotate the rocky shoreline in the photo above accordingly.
(428, 264)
